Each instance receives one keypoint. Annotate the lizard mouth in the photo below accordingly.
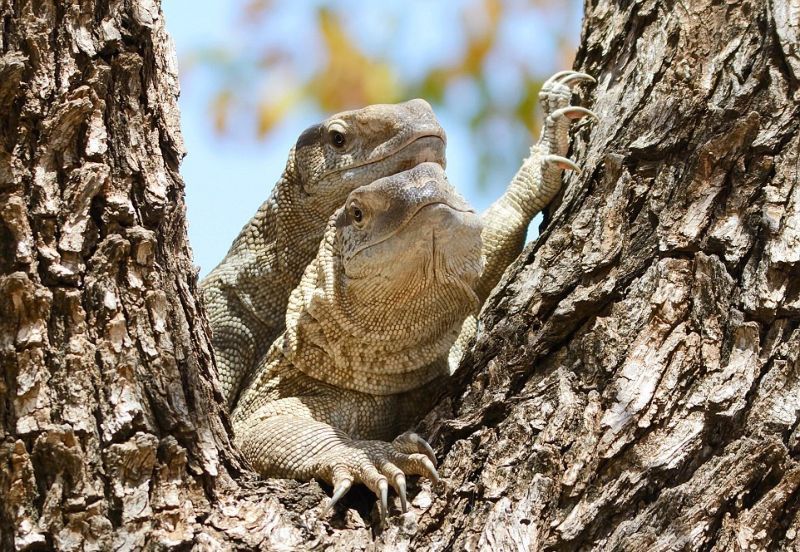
(432, 205)
(431, 149)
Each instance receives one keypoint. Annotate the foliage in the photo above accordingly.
(481, 60)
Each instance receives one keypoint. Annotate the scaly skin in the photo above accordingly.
(247, 293)
(382, 302)
(376, 314)
(535, 185)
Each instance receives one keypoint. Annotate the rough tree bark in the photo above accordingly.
(111, 434)
(635, 385)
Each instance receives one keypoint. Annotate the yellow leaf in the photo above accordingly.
(220, 108)
(272, 112)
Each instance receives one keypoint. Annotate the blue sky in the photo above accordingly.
(227, 178)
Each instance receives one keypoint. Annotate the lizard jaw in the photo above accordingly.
(433, 146)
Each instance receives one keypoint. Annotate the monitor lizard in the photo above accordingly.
(246, 294)
(403, 267)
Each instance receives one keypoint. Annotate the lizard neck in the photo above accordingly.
(399, 344)
(299, 222)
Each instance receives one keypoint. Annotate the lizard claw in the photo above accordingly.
(410, 442)
(556, 78)
(430, 469)
(383, 503)
(398, 481)
(342, 481)
(400, 487)
(566, 77)
(562, 163)
(575, 76)
(573, 112)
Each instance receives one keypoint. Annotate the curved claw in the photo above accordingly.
(557, 76)
(411, 441)
(562, 163)
(400, 486)
(432, 473)
(567, 77)
(576, 76)
(574, 112)
(341, 488)
(427, 450)
(383, 503)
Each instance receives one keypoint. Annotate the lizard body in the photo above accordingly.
(371, 321)
(247, 293)
(400, 274)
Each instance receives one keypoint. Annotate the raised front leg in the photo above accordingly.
(536, 183)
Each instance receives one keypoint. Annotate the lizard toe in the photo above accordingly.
(574, 76)
(556, 97)
(397, 479)
(410, 442)
(416, 464)
(342, 481)
(377, 482)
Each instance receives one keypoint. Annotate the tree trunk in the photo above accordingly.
(636, 385)
(111, 434)
(636, 381)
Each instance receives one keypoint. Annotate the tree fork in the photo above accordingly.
(635, 382)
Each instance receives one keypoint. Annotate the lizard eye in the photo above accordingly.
(357, 213)
(337, 139)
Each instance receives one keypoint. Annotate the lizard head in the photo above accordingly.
(410, 243)
(409, 228)
(391, 286)
(353, 148)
